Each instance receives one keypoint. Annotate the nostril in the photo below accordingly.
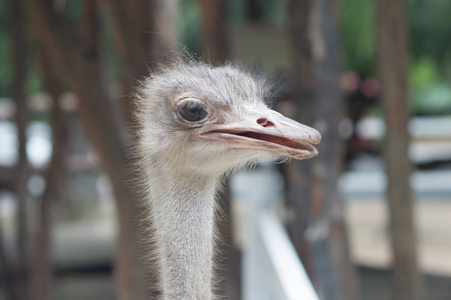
(265, 122)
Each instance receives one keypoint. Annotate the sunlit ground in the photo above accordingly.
(369, 233)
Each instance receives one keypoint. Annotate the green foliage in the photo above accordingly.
(189, 26)
(73, 8)
(5, 54)
(434, 99)
(430, 41)
(430, 28)
(236, 10)
(274, 12)
(357, 24)
(429, 25)
(33, 82)
(423, 73)
(429, 92)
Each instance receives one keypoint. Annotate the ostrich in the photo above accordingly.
(198, 123)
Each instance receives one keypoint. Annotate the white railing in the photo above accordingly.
(271, 268)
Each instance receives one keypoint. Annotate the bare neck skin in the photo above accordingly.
(183, 219)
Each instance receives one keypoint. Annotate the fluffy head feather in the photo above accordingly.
(230, 95)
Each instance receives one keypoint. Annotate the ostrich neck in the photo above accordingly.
(183, 218)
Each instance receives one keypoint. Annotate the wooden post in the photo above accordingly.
(318, 229)
(42, 263)
(298, 174)
(17, 20)
(393, 70)
(215, 44)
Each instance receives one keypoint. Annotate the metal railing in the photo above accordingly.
(271, 267)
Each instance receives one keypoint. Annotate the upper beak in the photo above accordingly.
(268, 131)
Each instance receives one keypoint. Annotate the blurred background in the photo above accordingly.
(370, 217)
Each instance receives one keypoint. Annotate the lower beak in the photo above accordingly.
(269, 132)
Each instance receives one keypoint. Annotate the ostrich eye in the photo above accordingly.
(192, 110)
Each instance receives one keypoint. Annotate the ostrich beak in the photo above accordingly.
(268, 131)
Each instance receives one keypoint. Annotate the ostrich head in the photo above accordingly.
(198, 122)
(206, 119)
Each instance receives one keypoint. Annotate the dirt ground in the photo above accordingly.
(368, 229)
